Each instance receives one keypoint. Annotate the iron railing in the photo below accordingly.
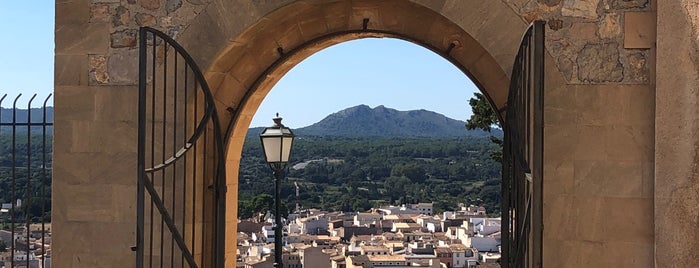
(25, 182)
(181, 196)
(522, 169)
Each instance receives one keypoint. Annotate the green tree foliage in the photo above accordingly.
(355, 174)
(13, 158)
(484, 117)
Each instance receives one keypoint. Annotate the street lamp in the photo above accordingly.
(276, 143)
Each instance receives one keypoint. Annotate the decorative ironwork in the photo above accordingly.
(181, 181)
(27, 135)
(522, 169)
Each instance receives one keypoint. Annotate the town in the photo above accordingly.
(32, 243)
(390, 236)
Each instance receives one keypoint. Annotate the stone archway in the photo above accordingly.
(248, 64)
(604, 151)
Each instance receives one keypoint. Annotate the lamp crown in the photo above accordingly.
(277, 121)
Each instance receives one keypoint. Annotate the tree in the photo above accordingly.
(484, 117)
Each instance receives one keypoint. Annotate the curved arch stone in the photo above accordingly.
(245, 52)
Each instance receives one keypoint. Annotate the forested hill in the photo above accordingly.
(37, 114)
(363, 121)
(360, 158)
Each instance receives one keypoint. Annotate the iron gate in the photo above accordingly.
(181, 181)
(522, 169)
(26, 137)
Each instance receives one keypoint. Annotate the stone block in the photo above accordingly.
(580, 8)
(557, 216)
(124, 38)
(121, 17)
(204, 27)
(637, 68)
(70, 70)
(609, 26)
(74, 103)
(597, 105)
(100, 13)
(590, 143)
(122, 67)
(231, 92)
(599, 63)
(639, 29)
(608, 178)
(630, 4)
(560, 107)
(583, 30)
(116, 104)
(560, 144)
(632, 223)
(82, 38)
(98, 73)
(144, 19)
(630, 143)
(72, 12)
(629, 254)
(150, 4)
(561, 253)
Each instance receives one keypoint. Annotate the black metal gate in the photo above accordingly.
(181, 181)
(522, 169)
(26, 137)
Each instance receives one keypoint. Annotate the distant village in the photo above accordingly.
(32, 243)
(392, 236)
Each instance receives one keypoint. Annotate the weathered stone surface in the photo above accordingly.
(82, 38)
(99, 13)
(637, 68)
(143, 19)
(121, 16)
(639, 29)
(550, 2)
(131, 1)
(583, 30)
(197, 2)
(71, 70)
(531, 16)
(124, 38)
(72, 12)
(555, 24)
(580, 8)
(123, 67)
(609, 26)
(622, 4)
(173, 5)
(600, 63)
(150, 4)
(98, 69)
(566, 67)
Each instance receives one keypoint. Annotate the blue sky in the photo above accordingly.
(389, 72)
(26, 49)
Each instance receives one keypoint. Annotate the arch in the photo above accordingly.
(244, 62)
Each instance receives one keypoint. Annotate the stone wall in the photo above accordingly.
(677, 135)
(586, 38)
(601, 149)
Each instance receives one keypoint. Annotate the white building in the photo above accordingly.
(367, 219)
(313, 225)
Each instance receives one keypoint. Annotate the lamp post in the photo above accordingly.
(276, 143)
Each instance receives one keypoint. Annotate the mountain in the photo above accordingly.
(381, 121)
(37, 114)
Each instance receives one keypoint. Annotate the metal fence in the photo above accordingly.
(522, 169)
(181, 190)
(26, 137)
